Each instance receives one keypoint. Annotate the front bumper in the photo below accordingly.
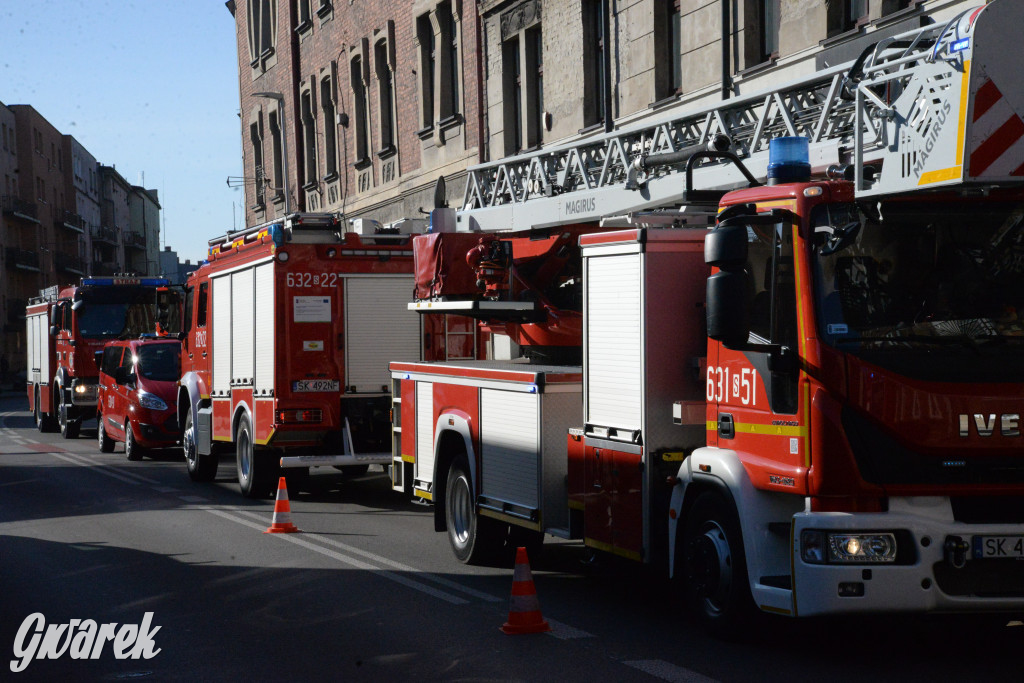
(932, 579)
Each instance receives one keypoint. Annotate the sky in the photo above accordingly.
(149, 87)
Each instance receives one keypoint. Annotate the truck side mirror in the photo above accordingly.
(728, 307)
(53, 330)
(726, 246)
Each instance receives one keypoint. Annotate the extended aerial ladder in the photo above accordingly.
(904, 116)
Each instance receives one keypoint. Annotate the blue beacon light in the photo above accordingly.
(277, 234)
(788, 160)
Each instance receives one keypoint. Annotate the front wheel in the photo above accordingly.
(44, 422)
(255, 470)
(68, 426)
(714, 567)
(106, 444)
(132, 450)
(473, 538)
(200, 467)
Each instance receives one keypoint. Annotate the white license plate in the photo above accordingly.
(315, 385)
(985, 547)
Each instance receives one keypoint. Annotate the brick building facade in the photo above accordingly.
(356, 108)
(363, 104)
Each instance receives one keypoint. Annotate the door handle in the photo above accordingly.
(726, 426)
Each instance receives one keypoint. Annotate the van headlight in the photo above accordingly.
(148, 400)
(834, 547)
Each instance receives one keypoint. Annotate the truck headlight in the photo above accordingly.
(148, 400)
(832, 547)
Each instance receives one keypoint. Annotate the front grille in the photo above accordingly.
(883, 460)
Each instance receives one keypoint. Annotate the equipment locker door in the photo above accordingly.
(379, 329)
(613, 400)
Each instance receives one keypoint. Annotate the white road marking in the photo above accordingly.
(447, 583)
(667, 671)
(23, 481)
(105, 471)
(566, 632)
(384, 573)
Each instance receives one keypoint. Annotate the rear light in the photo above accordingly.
(296, 416)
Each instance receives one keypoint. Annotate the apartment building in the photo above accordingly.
(356, 107)
(63, 216)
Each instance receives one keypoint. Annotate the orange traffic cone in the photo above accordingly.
(524, 609)
(282, 522)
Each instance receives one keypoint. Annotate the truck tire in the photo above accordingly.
(103, 439)
(474, 539)
(200, 467)
(44, 422)
(132, 450)
(68, 427)
(255, 470)
(714, 568)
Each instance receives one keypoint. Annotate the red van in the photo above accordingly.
(137, 389)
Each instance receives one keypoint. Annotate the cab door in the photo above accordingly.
(122, 393)
(108, 388)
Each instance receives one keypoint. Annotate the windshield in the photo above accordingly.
(159, 362)
(124, 312)
(912, 275)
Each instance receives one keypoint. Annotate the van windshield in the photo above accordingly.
(159, 362)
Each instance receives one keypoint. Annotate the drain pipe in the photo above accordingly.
(726, 71)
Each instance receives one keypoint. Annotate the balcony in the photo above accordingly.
(103, 268)
(104, 234)
(23, 260)
(71, 221)
(133, 240)
(68, 263)
(19, 208)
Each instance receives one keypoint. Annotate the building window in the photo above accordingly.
(262, 29)
(385, 92)
(448, 39)
(5, 136)
(522, 57)
(305, 16)
(256, 139)
(846, 16)
(308, 138)
(668, 65)
(360, 110)
(330, 129)
(768, 21)
(277, 150)
(41, 190)
(425, 38)
(593, 62)
(512, 94)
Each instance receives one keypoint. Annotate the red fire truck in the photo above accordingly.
(802, 397)
(289, 327)
(67, 328)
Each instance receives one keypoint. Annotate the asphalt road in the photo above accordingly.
(369, 591)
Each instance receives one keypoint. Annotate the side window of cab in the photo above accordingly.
(111, 359)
